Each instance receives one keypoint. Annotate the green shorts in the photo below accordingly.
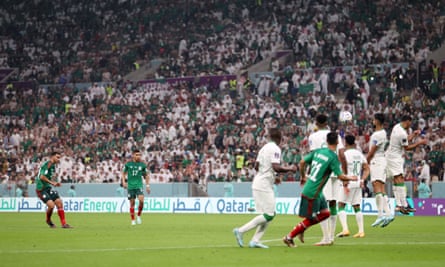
(47, 194)
(309, 208)
(134, 193)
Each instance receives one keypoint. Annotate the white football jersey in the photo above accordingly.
(378, 139)
(355, 160)
(318, 140)
(265, 177)
(397, 141)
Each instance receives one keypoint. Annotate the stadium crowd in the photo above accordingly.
(188, 133)
(88, 41)
(201, 133)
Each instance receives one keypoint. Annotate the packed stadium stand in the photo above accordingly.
(196, 106)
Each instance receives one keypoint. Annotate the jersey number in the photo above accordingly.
(315, 168)
(356, 170)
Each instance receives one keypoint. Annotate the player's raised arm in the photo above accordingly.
(422, 141)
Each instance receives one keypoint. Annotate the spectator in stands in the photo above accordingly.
(93, 117)
(424, 173)
(424, 189)
(72, 191)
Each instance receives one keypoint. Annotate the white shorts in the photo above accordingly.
(353, 197)
(394, 167)
(378, 169)
(264, 202)
(332, 188)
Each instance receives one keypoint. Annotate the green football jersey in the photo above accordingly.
(47, 172)
(136, 172)
(323, 162)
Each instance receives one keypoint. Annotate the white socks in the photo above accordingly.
(359, 219)
(252, 223)
(400, 195)
(325, 230)
(332, 225)
(343, 220)
(379, 202)
(260, 230)
(328, 228)
(342, 216)
(385, 205)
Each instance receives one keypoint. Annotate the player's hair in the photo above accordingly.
(332, 138)
(350, 139)
(380, 117)
(321, 119)
(54, 153)
(275, 134)
(407, 118)
(136, 151)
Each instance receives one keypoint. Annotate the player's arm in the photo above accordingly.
(124, 179)
(422, 141)
(347, 178)
(303, 163)
(365, 173)
(342, 158)
(413, 135)
(371, 153)
(334, 166)
(277, 167)
(49, 181)
(302, 171)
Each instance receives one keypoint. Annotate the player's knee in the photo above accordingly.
(399, 178)
(269, 216)
(356, 208)
(323, 215)
(377, 184)
(58, 203)
(50, 204)
(333, 210)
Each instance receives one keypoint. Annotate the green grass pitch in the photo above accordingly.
(206, 240)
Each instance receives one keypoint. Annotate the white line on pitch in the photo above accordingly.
(38, 251)
(109, 249)
(370, 243)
